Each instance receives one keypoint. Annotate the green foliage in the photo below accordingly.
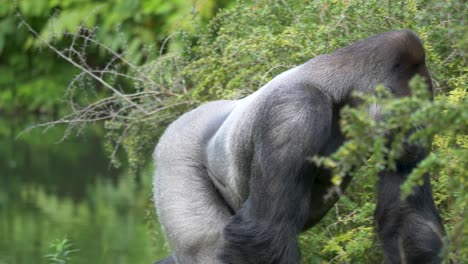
(62, 250)
(32, 80)
(444, 118)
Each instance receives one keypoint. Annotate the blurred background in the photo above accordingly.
(61, 199)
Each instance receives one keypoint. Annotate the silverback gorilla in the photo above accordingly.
(232, 181)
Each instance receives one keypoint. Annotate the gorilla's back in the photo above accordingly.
(218, 137)
(229, 152)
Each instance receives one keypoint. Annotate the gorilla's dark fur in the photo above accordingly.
(233, 184)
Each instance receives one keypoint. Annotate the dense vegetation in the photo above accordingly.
(34, 80)
(239, 50)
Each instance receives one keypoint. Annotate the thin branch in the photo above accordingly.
(81, 67)
(126, 62)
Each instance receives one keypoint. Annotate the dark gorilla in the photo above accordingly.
(233, 184)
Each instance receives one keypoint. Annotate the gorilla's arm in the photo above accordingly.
(294, 124)
(410, 230)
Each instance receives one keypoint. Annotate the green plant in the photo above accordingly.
(371, 150)
(62, 250)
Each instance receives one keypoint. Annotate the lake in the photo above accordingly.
(63, 197)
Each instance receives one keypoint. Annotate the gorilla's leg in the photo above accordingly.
(410, 230)
(190, 210)
(265, 229)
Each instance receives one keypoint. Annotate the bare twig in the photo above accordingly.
(153, 104)
(62, 55)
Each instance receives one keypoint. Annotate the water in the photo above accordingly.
(51, 191)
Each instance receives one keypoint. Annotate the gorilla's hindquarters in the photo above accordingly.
(191, 213)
